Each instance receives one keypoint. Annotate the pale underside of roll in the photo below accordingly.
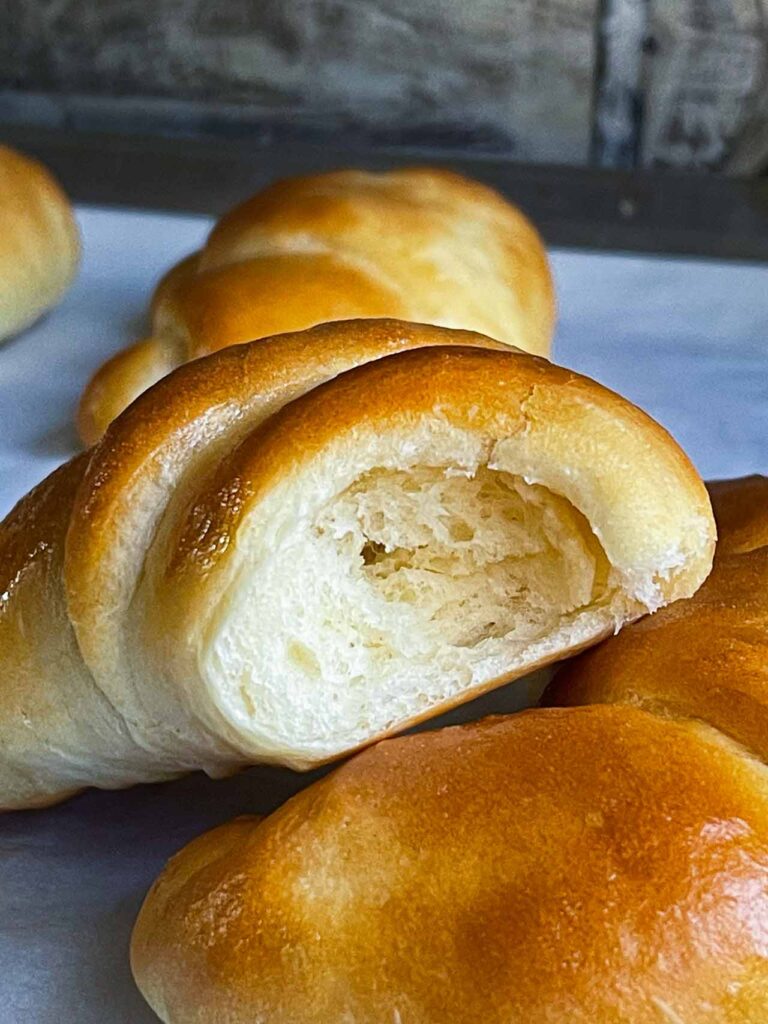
(39, 242)
(596, 865)
(291, 548)
(419, 244)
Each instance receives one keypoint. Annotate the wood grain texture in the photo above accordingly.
(471, 73)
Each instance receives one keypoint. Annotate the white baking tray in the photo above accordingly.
(686, 340)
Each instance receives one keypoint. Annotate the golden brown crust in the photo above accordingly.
(706, 657)
(582, 865)
(34, 526)
(31, 553)
(258, 298)
(501, 394)
(741, 513)
(417, 244)
(326, 204)
(39, 242)
(125, 376)
(178, 276)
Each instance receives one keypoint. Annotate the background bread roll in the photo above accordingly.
(288, 549)
(39, 242)
(580, 865)
(419, 244)
(706, 657)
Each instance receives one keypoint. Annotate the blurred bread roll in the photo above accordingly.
(39, 242)
(419, 244)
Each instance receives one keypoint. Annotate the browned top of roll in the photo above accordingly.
(582, 865)
(419, 244)
(707, 656)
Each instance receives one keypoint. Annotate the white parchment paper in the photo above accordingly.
(686, 340)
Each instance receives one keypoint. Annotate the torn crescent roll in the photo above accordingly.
(574, 866)
(39, 242)
(291, 548)
(706, 657)
(420, 244)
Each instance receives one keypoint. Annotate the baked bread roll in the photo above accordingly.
(706, 657)
(419, 244)
(288, 549)
(574, 866)
(39, 242)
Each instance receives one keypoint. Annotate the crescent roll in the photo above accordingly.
(420, 244)
(596, 865)
(288, 549)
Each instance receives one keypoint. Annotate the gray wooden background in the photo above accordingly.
(623, 83)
